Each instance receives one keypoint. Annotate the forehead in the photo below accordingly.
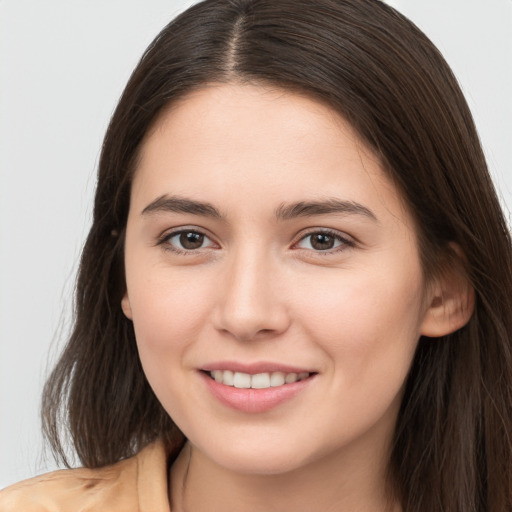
(228, 141)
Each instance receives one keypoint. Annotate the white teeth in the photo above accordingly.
(277, 379)
(290, 378)
(259, 381)
(228, 378)
(242, 380)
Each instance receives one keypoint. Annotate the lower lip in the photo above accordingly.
(254, 400)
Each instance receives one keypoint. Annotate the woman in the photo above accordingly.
(295, 292)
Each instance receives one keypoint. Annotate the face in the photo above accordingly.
(273, 280)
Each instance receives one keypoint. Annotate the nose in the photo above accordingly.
(251, 301)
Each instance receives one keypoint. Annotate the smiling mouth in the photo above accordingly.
(266, 380)
(247, 388)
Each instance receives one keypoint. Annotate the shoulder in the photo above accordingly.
(137, 484)
(64, 490)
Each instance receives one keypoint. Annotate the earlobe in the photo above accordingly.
(126, 307)
(451, 305)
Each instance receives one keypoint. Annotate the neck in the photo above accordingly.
(349, 480)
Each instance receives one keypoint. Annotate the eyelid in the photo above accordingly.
(164, 238)
(347, 240)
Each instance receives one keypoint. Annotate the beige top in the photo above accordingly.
(137, 484)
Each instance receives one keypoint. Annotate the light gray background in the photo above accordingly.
(63, 64)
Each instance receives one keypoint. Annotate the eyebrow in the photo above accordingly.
(178, 204)
(323, 207)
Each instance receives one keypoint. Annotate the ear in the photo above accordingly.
(126, 307)
(451, 301)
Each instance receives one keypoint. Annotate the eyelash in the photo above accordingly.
(166, 237)
(345, 242)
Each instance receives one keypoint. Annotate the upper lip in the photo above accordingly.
(255, 367)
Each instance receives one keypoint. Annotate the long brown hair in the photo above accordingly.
(452, 449)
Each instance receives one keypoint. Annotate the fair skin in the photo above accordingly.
(228, 269)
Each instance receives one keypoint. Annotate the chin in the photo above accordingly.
(260, 457)
(258, 464)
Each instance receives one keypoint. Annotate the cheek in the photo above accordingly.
(168, 308)
(169, 312)
(368, 324)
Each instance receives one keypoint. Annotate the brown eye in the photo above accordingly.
(185, 241)
(323, 241)
(191, 240)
